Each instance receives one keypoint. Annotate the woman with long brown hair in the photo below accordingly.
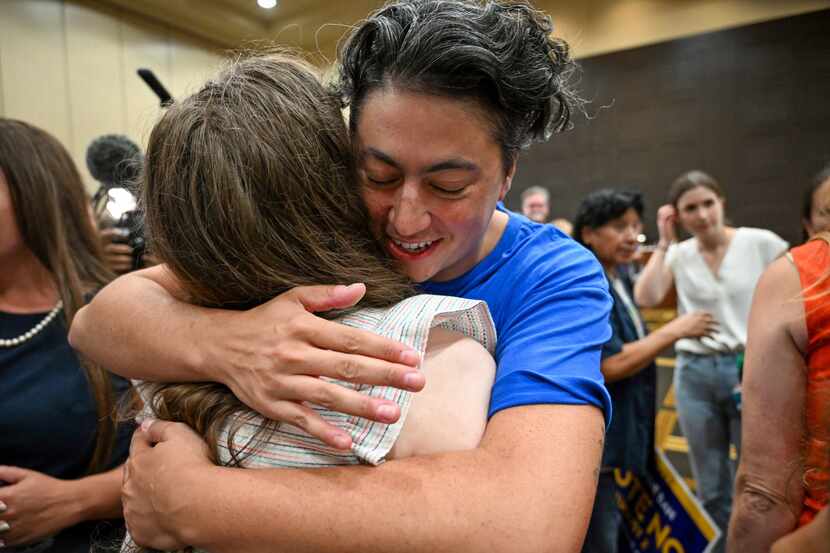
(59, 445)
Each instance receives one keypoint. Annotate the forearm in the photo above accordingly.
(137, 329)
(636, 356)
(769, 485)
(761, 517)
(98, 496)
(652, 284)
(514, 495)
(401, 506)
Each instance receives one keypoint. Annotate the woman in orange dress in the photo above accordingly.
(783, 481)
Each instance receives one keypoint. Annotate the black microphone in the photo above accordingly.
(152, 81)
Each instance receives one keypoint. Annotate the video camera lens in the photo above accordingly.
(131, 230)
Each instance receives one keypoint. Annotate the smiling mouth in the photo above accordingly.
(412, 250)
(413, 247)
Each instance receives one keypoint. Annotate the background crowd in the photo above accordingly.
(404, 201)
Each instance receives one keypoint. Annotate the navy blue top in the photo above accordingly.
(630, 439)
(47, 411)
(549, 299)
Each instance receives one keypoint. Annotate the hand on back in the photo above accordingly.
(272, 356)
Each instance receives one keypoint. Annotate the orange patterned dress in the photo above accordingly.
(813, 263)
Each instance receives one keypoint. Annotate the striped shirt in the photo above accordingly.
(408, 322)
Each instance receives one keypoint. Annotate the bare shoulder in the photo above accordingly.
(161, 275)
(450, 413)
(779, 284)
(778, 301)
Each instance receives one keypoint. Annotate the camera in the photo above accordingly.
(121, 213)
(116, 163)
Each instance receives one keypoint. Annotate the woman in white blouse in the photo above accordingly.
(714, 271)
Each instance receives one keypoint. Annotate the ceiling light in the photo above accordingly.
(267, 4)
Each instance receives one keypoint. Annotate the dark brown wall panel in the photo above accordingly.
(749, 105)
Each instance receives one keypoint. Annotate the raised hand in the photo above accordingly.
(666, 221)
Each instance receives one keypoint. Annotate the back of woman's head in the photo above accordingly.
(691, 180)
(603, 206)
(53, 215)
(497, 53)
(250, 190)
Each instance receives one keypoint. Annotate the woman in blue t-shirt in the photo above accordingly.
(60, 451)
(442, 95)
(609, 222)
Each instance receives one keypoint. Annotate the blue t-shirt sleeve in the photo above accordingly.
(550, 351)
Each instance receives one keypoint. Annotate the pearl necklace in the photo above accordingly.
(25, 337)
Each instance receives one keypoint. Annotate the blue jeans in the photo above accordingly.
(606, 521)
(710, 420)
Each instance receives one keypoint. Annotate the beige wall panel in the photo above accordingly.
(96, 80)
(33, 64)
(148, 47)
(190, 66)
(600, 26)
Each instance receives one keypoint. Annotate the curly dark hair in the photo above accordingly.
(498, 53)
(600, 207)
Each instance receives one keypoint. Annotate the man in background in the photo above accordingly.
(535, 204)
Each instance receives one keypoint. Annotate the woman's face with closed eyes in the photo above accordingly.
(431, 174)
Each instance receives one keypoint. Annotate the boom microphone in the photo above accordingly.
(150, 78)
